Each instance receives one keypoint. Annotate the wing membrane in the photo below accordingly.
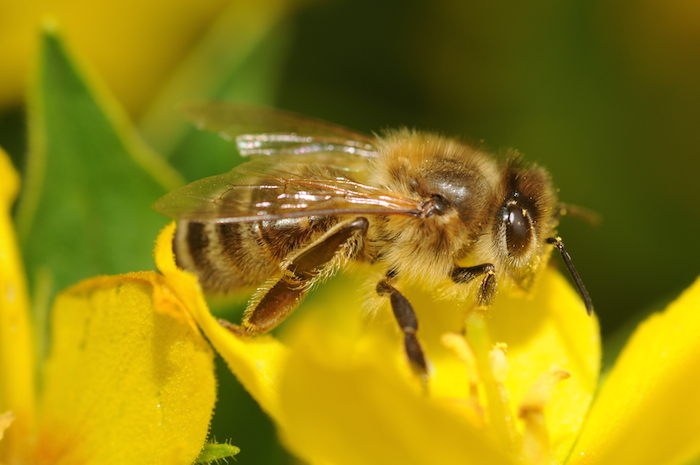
(309, 167)
(297, 144)
(268, 190)
(265, 131)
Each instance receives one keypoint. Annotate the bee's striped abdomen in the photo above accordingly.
(230, 256)
(224, 256)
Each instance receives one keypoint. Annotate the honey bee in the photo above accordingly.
(315, 197)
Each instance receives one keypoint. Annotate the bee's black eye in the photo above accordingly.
(518, 230)
(518, 225)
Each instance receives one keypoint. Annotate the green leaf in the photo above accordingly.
(240, 58)
(213, 452)
(86, 206)
(254, 82)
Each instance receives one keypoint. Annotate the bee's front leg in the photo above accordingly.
(406, 317)
(287, 293)
(487, 288)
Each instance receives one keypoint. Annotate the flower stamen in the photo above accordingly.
(536, 447)
(6, 420)
(460, 347)
(489, 356)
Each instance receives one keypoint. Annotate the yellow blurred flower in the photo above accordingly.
(340, 391)
(133, 45)
(129, 377)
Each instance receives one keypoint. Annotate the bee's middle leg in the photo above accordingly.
(487, 288)
(406, 317)
(287, 293)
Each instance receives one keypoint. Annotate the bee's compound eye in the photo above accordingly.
(518, 229)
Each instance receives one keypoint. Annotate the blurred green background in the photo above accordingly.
(604, 94)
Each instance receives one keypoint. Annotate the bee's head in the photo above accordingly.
(524, 215)
(527, 211)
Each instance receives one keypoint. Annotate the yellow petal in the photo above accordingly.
(255, 361)
(347, 396)
(341, 390)
(648, 410)
(17, 358)
(550, 331)
(128, 379)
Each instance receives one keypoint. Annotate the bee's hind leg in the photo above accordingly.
(287, 293)
(406, 317)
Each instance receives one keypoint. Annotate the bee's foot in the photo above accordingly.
(238, 330)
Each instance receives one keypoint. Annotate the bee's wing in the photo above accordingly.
(265, 131)
(278, 187)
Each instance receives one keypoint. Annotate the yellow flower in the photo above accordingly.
(340, 390)
(118, 37)
(129, 378)
(648, 410)
(151, 54)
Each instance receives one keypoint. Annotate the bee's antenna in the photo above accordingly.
(574, 274)
(589, 216)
